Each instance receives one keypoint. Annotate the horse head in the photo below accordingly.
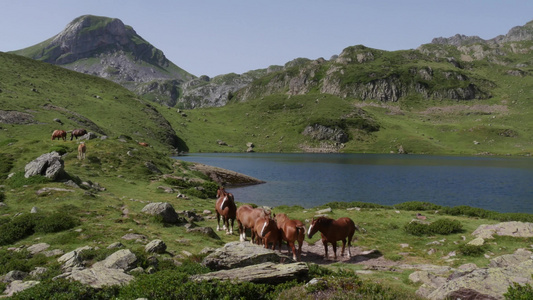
(266, 226)
(317, 225)
(221, 192)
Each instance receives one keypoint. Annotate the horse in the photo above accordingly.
(143, 144)
(59, 134)
(77, 132)
(246, 216)
(267, 231)
(81, 150)
(332, 231)
(292, 231)
(225, 207)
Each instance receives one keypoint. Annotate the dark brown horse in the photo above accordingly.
(225, 208)
(332, 231)
(267, 232)
(77, 132)
(246, 217)
(59, 134)
(292, 231)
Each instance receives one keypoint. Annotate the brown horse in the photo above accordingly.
(59, 134)
(292, 231)
(246, 216)
(81, 150)
(332, 231)
(225, 207)
(267, 231)
(77, 132)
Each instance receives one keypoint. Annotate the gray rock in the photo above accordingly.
(321, 132)
(207, 231)
(37, 248)
(237, 254)
(163, 209)
(14, 275)
(516, 229)
(18, 286)
(55, 252)
(152, 167)
(34, 210)
(268, 272)
(115, 245)
(49, 165)
(122, 259)
(72, 259)
(37, 272)
(134, 236)
(156, 246)
(99, 276)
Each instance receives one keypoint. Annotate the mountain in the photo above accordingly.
(107, 48)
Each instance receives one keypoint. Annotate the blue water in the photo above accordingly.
(309, 180)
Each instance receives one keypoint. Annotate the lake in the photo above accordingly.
(503, 184)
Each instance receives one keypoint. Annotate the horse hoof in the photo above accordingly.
(229, 233)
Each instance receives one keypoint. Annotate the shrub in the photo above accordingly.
(18, 180)
(55, 222)
(471, 250)
(18, 228)
(445, 226)
(519, 292)
(416, 228)
(417, 206)
(2, 196)
(63, 289)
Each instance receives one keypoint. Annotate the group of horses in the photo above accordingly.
(266, 228)
(62, 134)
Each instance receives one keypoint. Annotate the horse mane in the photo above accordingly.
(324, 220)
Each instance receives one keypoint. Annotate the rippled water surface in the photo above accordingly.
(309, 180)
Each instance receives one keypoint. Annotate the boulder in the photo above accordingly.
(163, 209)
(237, 255)
(72, 259)
(268, 272)
(207, 231)
(515, 229)
(492, 281)
(123, 259)
(99, 276)
(156, 246)
(14, 275)
(18, 286)
(49, 165)
(38, 248)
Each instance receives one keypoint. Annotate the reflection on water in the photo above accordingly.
(309, 180)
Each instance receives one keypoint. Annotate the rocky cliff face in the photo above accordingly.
(107, 48)
(370, 74)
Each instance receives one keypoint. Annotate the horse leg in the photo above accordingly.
(334, 245)
(325, 249)
(343, 246)
(349, 246)
(231, 228)
(293, 251)
(218, 221)
(242, 231)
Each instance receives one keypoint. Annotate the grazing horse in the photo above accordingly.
(77, 132)
(81, 150)
(267, 231)
(292, 231)
(225, 207)
(143, 144)
(246, 216)
(59, 134)
(332, 231)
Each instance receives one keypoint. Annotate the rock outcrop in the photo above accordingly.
(49, 165)
(164, 210)
(268, 272)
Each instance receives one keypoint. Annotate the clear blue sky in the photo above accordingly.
(213, 37)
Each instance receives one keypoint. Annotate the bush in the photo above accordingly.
(519, 292)
(18, 180)
(55, 222)
(417, 206)
(61, 149)
(63, 289)
(440, 226)
(445, 227)
(27, 224)
(471, 250)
